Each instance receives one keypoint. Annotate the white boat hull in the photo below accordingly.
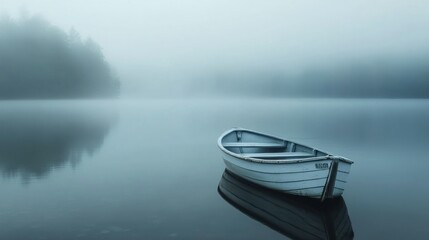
(308, 177)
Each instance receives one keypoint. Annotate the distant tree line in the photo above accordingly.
(384, 77)
(406, 77)
(39, 60)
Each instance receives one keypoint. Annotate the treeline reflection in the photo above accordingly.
(35, 140)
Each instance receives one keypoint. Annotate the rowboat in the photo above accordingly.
(293, 216)
(284, 165)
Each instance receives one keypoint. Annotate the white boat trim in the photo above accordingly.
(270, 161)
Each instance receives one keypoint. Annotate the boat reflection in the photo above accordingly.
(36, 138)
(296, 217)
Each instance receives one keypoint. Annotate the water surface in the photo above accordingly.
(150, 169)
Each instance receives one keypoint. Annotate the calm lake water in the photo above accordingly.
(150, 169)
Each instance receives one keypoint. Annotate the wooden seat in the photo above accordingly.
(253, 145)
(278, 155)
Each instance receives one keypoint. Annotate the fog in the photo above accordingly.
(253, 48)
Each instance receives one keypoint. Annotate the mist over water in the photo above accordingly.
(281, 48)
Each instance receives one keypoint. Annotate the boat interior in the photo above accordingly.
(256, 145)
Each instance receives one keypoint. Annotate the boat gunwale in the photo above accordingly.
(279, 161)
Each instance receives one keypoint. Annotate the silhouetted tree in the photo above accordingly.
(38, 60)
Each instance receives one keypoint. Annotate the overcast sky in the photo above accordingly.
(160, 37)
